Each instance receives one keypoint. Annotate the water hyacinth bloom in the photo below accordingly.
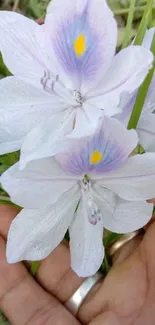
(92, 185)
(65, 75)
(146, 124)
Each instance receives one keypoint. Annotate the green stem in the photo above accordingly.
(34, 268)
(5, 198)
(128, 29)
(142, 94)
(144, 23)
(120, 12)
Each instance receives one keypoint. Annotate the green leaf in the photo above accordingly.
(4, 72)
(144, 23)
(3, 320)
(128, 30)
(110, 238)
(142, 94)
(34, 267)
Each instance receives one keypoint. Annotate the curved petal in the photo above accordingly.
(126, 73)
(107, 149)
(40, 184)
(146, 131)
(86, 243)
(34, 234)
(29, 56)
(148, 38)
(122, 216)
(87, 119)
(45, 140)
(83, 38)
(22, 106)
(135, 180)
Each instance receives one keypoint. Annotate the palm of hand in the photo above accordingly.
(126, 296)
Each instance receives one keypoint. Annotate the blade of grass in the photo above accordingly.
(34, 268)
(144, 23)
(125, 11)
(16, 5)
(141, 97)
(127, 34)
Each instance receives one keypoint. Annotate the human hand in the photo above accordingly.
(126, 296)
(22, 299)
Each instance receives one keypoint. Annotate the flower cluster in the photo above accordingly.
(66, 108)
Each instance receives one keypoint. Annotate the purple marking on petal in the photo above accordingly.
(87, 64)
(114, 150)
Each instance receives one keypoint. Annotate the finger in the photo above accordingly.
(107, 318)
(54, 272)
(7, 214)
(151, 201)
(56, 275)
(126, 250)
(23, 301)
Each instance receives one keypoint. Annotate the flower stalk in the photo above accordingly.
(141, 97)
(144, 23)
(125, 11)
(128, 29)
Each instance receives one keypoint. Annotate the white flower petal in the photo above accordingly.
(82, 18)
(121, 216)
(105, 198)
(46, 139)
(41, 183)
(148, 38)
(24, 46)
(34, 234)
(86, 121)
(135, 180)
(146, 131)
(86, 243)
(22, 107)
(127, 71)
(130, 216)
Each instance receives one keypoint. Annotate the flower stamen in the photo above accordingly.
(94, 213)
(48, 82)
(78, 97)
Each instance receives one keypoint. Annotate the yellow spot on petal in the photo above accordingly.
(80, 45)
(96, 157)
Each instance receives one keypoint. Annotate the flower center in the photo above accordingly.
(53, 85)
(94, 213)
(78, 97)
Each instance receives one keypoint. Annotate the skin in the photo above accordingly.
(125, 297)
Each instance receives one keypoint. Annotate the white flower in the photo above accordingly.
(94, 173)
(146, 124)
(65, 74)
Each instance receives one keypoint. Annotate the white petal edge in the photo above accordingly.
(46, 139)
(126, 73)
(121, 216)
(22, 107)
(40, 184)
(146, 131)
(135, 180)
(34, 234)
(29, 56)
(86, 244)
